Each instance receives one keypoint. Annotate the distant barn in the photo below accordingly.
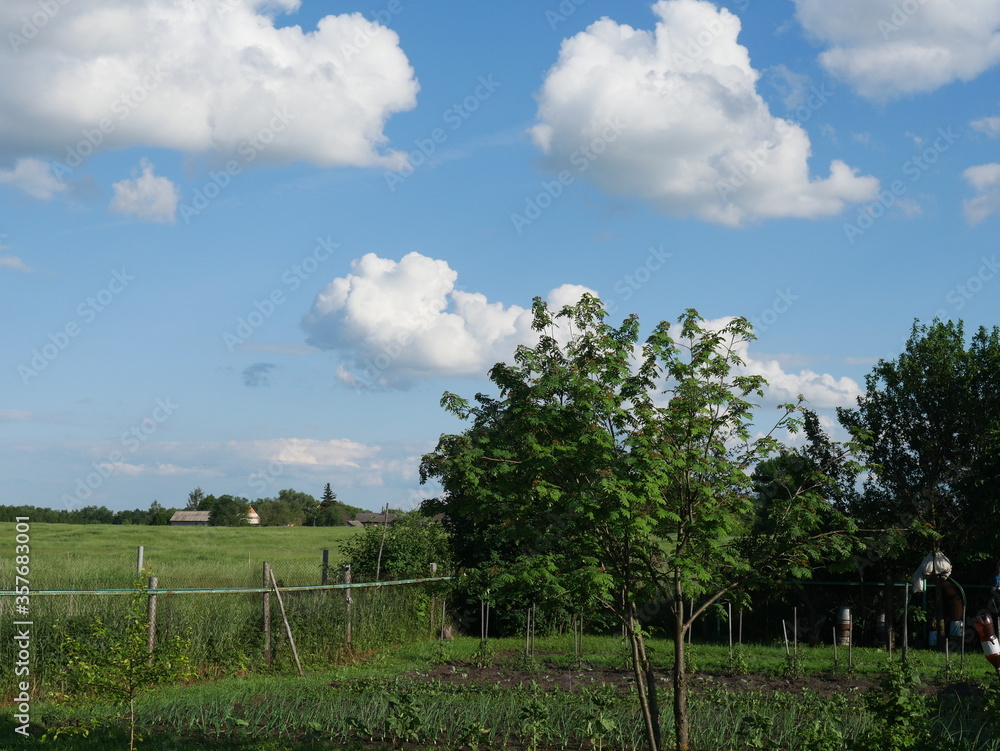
(190, 519)
(368, 519)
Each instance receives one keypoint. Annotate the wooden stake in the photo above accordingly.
(906, 620)
(385, 527)
(138, 561)
(347, 594)
(326, 567)
(444, 600)
(729, 623)
(784, 630)
(151, 613)
(795, 631)
(267, 613)
(288, 627)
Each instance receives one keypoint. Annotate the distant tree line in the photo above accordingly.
(289, 507)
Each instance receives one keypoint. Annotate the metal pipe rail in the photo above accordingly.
(237, 590)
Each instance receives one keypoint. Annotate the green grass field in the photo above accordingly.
(90, 556)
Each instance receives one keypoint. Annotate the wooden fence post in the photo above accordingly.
(267, 613)
(326, 567)
(139, 561)
(151, 613)
(347, 593)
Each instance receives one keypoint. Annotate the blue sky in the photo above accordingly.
(247, 245)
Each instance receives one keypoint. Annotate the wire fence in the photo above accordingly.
(229, 615)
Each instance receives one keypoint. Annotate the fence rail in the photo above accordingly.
(237, 590)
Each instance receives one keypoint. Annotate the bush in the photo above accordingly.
(412, 543)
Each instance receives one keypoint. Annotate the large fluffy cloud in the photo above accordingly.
(885, 48)
(198, 75)
(673, 116)
(397, 322)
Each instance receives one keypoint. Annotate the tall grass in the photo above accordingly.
(225, 630)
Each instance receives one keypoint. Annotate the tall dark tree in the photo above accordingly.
(329, 497)
(923, 426)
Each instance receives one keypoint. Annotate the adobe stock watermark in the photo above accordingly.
(131, 440)
(626, 286)
(391, 349)
(696, 45)
(582, 158)
(268, 473)
(783, 301)
(122, 108)
(87, 311)
(960, 295)
(562, 12)
(292, 278)
(376, 20)
(814, 100)
(914, 168)
(249, 149)
(455, 117)
(32, 24)
(902, 12)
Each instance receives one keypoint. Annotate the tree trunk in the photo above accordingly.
(652, 729)
(652, 697)
(681, 729)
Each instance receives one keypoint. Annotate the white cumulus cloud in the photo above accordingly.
(888, 48)
(397, 322)
(147, 196)
(673, 116)
(988, 125)
(200, 76)
(33, 176)
(820, 390)
(985, 179)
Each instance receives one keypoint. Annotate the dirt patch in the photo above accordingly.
(547, 675)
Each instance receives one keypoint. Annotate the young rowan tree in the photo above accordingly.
(633, 464)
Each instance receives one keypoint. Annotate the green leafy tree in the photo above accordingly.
(115, 661)
(159, 516)
(195, 499)
(624, 481)
(226, 510)
(924, 426)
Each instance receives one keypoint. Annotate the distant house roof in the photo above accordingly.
(354, 523)
(368, 519)
(190, 517)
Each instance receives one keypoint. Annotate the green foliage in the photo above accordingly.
(925, 426)
(412, 543)
(738, 664)
(901, 714)
(116, 663)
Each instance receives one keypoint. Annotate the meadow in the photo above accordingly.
(90, 556)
